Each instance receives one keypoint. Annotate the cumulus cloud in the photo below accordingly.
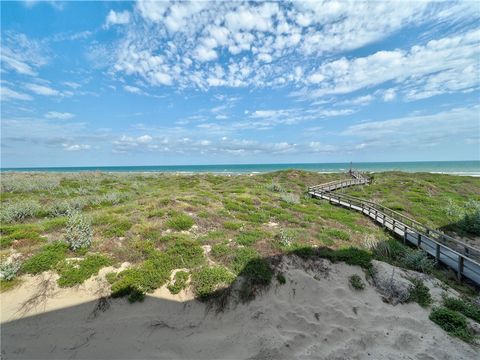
(117, 18)
(132, 89)
(76, 147)
(58, 115)
(238, 44)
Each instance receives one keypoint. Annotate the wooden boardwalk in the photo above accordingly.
(464, 259)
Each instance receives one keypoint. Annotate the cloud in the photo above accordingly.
(42, 90)
(21, 54)
(132, 89)
(117, 18)
(8, 94)
(238, 44)
(389, 95)
(58, 115)
(76, 147)
(430, 129)
(441, 66)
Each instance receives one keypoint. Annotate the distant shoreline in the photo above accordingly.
(462, 168)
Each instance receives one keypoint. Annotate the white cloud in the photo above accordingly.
(441, 66)
(42, 90)
(321, 147)
(21, 54)
(117, 18)
(186, 43)
(8, 94)
(389, 95)
(430, 129)
(58, 115)
(76, 147)
(144, 139)
(132, 89)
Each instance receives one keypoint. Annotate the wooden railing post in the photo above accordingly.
(419, 239)
(437, 253)
(405, 234)
(460, 267)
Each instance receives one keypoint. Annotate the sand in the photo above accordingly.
(315, 315)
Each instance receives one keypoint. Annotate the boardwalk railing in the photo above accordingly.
(461, 257)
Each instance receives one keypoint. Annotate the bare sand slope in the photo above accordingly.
(316, 315)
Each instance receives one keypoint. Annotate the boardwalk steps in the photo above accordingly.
(464, 259)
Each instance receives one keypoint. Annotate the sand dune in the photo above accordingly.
(316, 315)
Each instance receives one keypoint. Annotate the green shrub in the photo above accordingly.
(356, 282)
(248, 238)
(117, 227)
(258, 271)
(418, 260)
(77, 271)
(452, 322)
(155, 271)
(231, 225)
(470, 222)
(179, 282)
(49, 256)
(241, 257)
(351, 256)
(180, 222)
(465, 307)
(207, 280)
(10, 233)
(281, 279)
(419, 293)
(389, 249)
(336, 234)
(79, 232)
(221, 251)
(185, 254)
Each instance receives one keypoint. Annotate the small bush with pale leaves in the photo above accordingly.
(8, 270)
(79, 231)
(18, 211)
(290, 198)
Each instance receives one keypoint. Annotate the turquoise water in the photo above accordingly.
(471, 168)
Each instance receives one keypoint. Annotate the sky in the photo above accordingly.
(166, 83)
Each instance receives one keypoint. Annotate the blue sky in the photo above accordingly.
(159, 83)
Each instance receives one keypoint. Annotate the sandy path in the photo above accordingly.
(320, 318)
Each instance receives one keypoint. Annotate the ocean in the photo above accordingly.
(468, 168)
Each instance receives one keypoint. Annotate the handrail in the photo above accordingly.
(460, 246)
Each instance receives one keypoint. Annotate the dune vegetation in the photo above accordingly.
(202, 231)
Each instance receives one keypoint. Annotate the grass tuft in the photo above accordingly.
(180, 222)
(207, 282)
(356, 282)
(179, 282)
(452, 322)
(467, 308)
(419, 293)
